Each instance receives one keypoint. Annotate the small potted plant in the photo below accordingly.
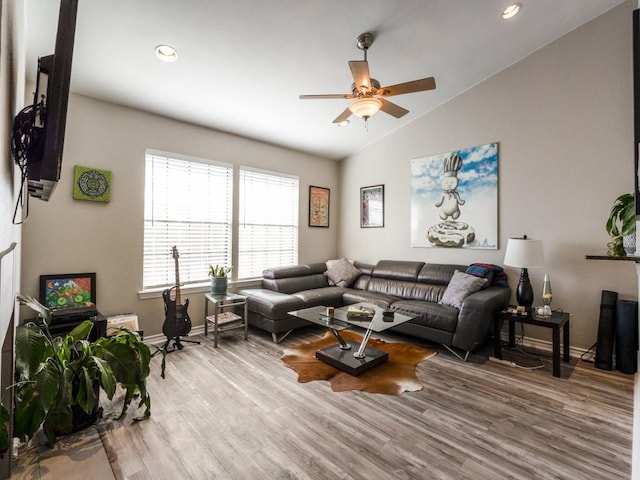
(621, 225)
(219, 281)
(59, 378)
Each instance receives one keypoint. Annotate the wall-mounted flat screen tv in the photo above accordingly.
(52, 93)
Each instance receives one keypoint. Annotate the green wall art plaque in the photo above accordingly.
(91, 184)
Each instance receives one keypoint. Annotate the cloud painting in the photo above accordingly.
(454, 199)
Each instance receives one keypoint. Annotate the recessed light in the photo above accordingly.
(511, 11)
(166, 53)
(343, 123)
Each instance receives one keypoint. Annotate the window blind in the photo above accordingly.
(268, 221)
(188, 204)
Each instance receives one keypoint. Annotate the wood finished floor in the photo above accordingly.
(236, 412)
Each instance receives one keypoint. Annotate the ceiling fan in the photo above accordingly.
(368, 96)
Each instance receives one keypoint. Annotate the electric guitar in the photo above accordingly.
(177, 321)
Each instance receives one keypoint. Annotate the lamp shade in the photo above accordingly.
(524, 253)
(365, 107)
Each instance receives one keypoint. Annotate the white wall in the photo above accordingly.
(563, 120)
(66, 235)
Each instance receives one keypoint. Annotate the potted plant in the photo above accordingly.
(621, 225)
(59, 377)
(218, 274)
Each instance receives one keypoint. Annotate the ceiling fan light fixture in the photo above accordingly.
(166, 53)
(365, 107)
(511, 10)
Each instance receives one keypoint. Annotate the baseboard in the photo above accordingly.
(159, 339)
(547, 347)
(535, 343)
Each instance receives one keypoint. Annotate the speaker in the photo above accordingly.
(606, 330)
(626, 336)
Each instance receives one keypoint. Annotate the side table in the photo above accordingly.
(556, 321)
(221, 320)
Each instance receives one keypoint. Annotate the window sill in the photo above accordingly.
(197, 288)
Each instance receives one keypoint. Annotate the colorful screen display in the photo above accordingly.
(68, 291)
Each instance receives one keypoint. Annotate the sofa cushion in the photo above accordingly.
(397, 270)
(434, 315)
(294, 270)
(460, 287)
(329, 296)
(439, 274)
(341, 272)
(295, 284)
(382, 300)
(271, 304)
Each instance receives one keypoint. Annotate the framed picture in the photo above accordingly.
(91, 184)
(372, 206)
(454, 199)
(318, 207)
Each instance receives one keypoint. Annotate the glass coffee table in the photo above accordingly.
(350, 356)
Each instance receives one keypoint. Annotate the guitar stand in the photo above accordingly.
(177, 344)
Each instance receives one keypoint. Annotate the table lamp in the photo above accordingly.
(524, 253)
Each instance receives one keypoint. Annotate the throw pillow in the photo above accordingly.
(341, 272)
(482, 271)
(460, 287)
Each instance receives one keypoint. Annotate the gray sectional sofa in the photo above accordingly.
(409, 287)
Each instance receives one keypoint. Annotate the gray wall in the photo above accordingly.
(563, 120)
(66, 235)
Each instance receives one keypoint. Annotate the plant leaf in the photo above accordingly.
(81, 331)
(107, 378)
(36, 306)
(31, 349)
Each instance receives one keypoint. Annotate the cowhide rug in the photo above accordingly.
(393, 377)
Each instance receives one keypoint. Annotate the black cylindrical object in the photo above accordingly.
(626, 336)
(606, 330)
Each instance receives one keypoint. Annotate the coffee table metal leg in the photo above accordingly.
(343, 345)
(360, 353)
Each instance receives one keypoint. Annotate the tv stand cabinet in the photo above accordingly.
(61, 328)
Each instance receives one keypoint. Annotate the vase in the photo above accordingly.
(219, 285)
(629, 243)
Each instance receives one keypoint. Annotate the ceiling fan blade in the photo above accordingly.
(343, 116)
(393, 109)
(408, 87)
(360, 72)
(329, 95)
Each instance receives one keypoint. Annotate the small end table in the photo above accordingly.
(221, 320)
(556, 321)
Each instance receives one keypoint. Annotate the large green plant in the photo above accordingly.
(621, 222)
(56, 374)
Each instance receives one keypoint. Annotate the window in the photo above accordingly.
(268, 222)
(188, 204)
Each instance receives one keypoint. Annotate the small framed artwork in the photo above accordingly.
(372, 206)
(318, 206)
(92, 184)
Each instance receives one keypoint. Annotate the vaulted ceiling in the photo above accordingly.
(243, 64)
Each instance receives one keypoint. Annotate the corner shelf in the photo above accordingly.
(631, 258)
